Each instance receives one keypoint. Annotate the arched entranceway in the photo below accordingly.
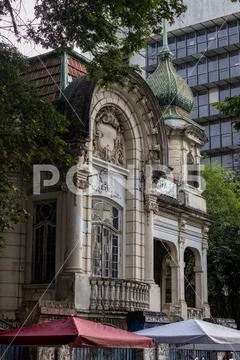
(164, 276)
(192, 278)
(189, 278)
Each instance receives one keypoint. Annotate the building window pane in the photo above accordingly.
(202, 66)
(181, 46)
(213, 110)
(181, 41)
(227, 161)
(172, 45)
(203, 104)
(203, 98)
(226, 140)
(192, 80)
(182, 70)
(234, 58)
(235, 90)
(106, 231)
(233, 39)
(236, 162)
(211, 37)
(192, 69)
(215, 142)
(191, 44)
(44, 242)
(203, 111)
(216, 160)
(152, 54)
(202, 70)
(224, 93)
(223, 61)
(222, 36)
(226, 127)
(233, 27)
(192, 74)
(215, 136)
(223, 67)
(215, 129)
(234, 64)
(212, 69)
(236, 137)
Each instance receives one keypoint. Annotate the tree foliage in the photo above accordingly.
(231, 107)
(109, 30)
(31, 132)
(223, 204)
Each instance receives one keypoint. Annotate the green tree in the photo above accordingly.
(110, 30)
(223, 204)
(31, 132)
(231, 107)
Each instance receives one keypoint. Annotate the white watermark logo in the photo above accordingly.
(107, 181)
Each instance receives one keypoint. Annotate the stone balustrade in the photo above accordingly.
(118, 295)
(195, 313)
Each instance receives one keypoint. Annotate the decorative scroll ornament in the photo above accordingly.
(108, 142)
(196, 134)
(151, 203)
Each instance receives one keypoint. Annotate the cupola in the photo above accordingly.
(169, 88)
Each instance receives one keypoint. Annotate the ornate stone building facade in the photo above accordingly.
(126, 230)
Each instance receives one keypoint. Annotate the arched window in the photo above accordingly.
(44, 242)
(106, 232)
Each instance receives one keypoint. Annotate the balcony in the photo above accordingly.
(118, 295)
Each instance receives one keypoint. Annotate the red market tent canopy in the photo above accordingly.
(75, 332)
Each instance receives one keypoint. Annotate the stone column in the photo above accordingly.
(74, 233)
(151, 207)
(174, 287)
(73, 284)
(181, 266)
(198, 286)
(205, 230)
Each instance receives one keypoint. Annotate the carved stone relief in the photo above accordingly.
(46, 353)
(108, 142)
(163, 350)
(64, 353)
(190, 158)
(154, 153)
(149, 354)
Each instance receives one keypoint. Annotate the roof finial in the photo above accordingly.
(165, 53)
(165, 35)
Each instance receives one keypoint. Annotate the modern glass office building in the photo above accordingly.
(207, 56)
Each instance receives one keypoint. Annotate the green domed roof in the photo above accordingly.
(167, 85)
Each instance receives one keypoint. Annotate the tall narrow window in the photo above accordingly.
(106, 232)
(44, 242)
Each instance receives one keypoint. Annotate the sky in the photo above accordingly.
(25, 10)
